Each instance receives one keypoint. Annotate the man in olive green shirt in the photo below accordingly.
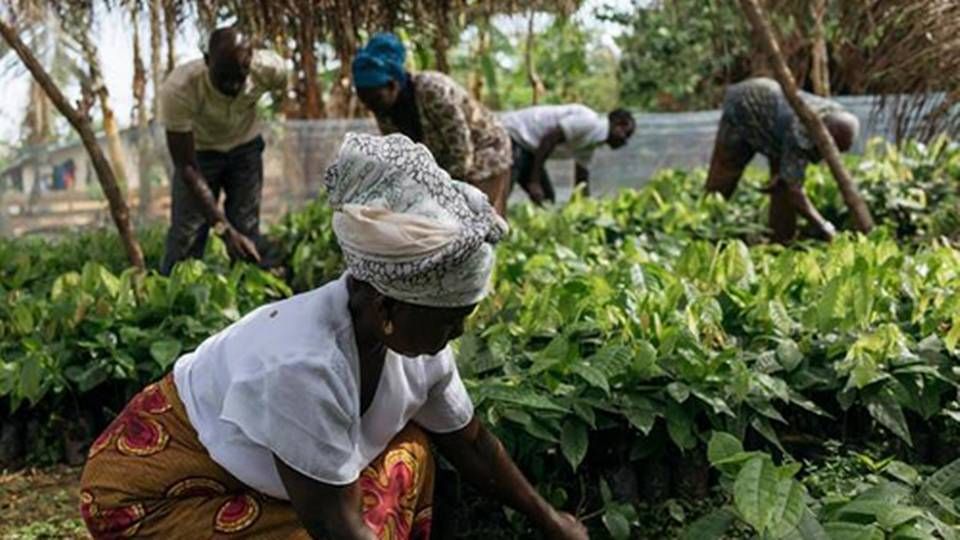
(209, 110)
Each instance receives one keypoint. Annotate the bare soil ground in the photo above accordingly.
(40, 504)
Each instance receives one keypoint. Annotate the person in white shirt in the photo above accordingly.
(312, 417)
(561, 131)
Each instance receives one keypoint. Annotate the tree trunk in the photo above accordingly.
(38, 120)
(312, 99)
(143, 128)
(441, 36)
(811, 121)
(819, 69)
(488, 66)
(170, 29)
(475, 78)
(345, 43)
(536, 84)
(118, 207)
(99, 88)
(156, 32)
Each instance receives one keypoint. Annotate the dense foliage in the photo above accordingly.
(622, 337)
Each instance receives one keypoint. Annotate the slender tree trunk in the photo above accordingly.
(143, 128)
(488, 66)
(811, 121)
(345, 43)
(819, 69)
(441, 37)
(536, 84)
(475, 78)
(170, 29)
(38, 121)
(312, 104)
(156, 31)
(111, 130)
(118, 207)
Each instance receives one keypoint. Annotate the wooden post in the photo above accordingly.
(118, 207)
(822, 138)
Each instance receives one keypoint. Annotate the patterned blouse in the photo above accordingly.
(760, 115)
(465, 138)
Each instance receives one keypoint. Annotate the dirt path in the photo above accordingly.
(40, 503)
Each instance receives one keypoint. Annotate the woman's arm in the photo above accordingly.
(326, 511)
(480, 457)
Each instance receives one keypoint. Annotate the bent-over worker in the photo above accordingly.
(312, 417)
(466, 138)
(209, 110)
(565, 132)
(758, 118)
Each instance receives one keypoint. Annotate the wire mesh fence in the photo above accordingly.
(298, 153)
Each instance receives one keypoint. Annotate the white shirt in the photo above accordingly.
(285, 380)
(583, 129)
(189, 102)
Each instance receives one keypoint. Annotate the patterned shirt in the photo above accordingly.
(757, 112)
(464, 137)
(189, 102)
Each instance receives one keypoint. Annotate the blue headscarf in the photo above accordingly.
(380, 62)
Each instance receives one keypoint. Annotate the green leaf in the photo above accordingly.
(884, 408)
(645, 360)
(520, 396)
(605, 494)
(539, 430)
(903, 472)
(592, 375)
(945, 481)
(616, 524)
(894, 516)
(678, 391)
(641, 419)
(789, 354)
(517, 416)
(754, 490)
(763, 427)
(712, 526)
(953, 336)
(23, 321)
(165, 351)
(585, 412)
(722, 446)
(808, 528)
(555, 352)
(31, 379)
(573, 442)
(787, 507)
(680, 426)
(852, 531)
(676, 511)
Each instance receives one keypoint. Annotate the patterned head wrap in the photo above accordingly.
(406, 227)
(380, 62)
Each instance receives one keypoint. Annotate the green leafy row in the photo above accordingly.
(621, 333)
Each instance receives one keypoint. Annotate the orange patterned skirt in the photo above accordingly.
(148, 475)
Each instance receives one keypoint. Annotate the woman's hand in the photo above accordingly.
(563, 526)
(481, 459)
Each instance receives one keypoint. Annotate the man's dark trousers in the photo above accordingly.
(237, 172)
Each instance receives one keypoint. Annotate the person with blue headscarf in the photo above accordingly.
(429, 107)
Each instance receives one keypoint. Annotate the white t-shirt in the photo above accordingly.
(583, 129)
(285, 380)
